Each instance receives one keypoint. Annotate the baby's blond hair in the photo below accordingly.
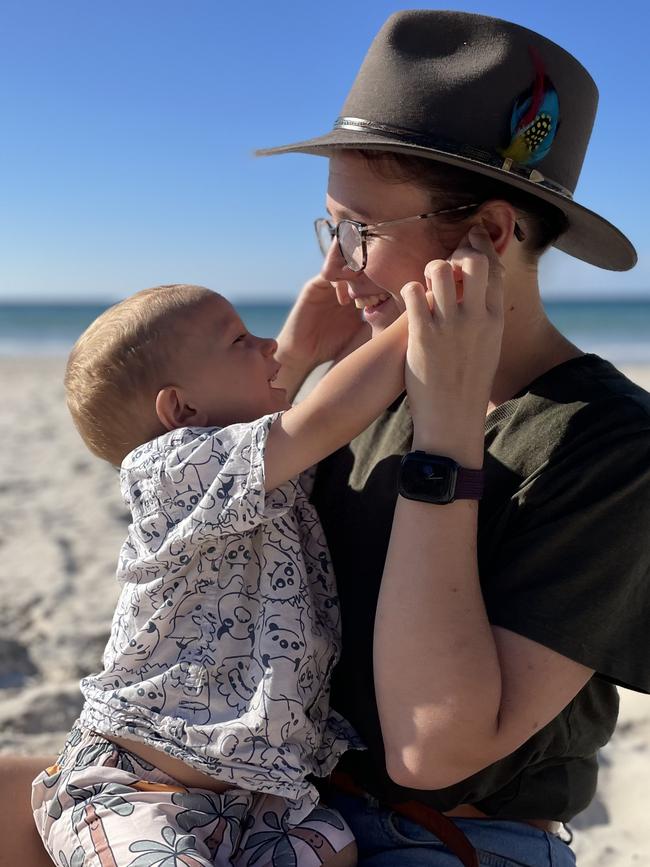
(119, 364)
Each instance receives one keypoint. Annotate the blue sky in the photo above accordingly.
(128, 129)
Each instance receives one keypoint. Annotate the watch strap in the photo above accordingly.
(469, 484)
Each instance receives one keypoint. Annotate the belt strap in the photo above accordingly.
(428, 817)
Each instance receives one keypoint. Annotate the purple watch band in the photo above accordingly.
(469, 484)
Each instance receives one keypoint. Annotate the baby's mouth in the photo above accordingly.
(272, 380)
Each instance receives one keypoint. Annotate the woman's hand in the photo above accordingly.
(454, 345)
(320, 325)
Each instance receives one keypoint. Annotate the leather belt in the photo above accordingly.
(433, 820)
(469, 811)
(439, 823)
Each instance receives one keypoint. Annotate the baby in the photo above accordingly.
(197, 739)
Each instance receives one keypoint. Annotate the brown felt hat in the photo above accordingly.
(485, 95)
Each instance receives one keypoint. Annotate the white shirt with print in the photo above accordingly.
(227, 626)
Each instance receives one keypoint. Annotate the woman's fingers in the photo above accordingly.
(475, 276)
(478, 272)
(439, 276)
(342, 295)
(418, 308)
(482, 243)
(469, 281)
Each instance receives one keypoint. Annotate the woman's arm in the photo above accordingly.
(454, 694)
(20, 843)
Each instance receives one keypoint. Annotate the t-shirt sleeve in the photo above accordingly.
(214, 482)
(573, 566)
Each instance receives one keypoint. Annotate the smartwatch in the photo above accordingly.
(437, 479)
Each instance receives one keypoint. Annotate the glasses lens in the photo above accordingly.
(351, 244)
(324, 234)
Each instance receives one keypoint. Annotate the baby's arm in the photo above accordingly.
(345, 402)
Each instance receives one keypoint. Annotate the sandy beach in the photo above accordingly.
(62, 522)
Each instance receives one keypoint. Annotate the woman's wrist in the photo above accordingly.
(294, 360)
(462, 443)
(294, 370)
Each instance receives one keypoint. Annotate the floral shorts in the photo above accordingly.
(103, 806)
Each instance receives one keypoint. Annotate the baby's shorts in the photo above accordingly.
(102, 806)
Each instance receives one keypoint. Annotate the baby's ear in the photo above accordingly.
(174, 411)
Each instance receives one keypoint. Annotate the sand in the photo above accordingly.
(62, 522)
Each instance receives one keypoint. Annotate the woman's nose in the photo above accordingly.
(334, 267)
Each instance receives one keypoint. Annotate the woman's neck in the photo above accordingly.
(531, 343)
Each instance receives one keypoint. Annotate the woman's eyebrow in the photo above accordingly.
(352, 214)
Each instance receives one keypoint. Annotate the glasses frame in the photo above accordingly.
(366, 230)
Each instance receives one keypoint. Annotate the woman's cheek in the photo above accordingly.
(399, 302)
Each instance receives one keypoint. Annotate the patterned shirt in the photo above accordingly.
(227, 627)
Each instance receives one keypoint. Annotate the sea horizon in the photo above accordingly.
(617, 328)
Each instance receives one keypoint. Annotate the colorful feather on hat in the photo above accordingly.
(534, 119)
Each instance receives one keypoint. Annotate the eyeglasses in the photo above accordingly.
(351, 235)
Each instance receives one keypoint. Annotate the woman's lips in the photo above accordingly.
(369, 301)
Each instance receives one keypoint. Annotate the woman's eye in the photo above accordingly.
(239, 339)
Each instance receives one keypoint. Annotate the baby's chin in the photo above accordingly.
(280, 399)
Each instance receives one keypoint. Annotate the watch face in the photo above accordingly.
(432, 479)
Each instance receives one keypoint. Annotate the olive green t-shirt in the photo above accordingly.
(564, 559)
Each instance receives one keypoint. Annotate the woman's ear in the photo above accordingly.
(498, 219)
(174, 411)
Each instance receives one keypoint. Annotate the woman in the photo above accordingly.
(479, 661)
(480, 646)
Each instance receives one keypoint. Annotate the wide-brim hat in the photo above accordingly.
(485, 95)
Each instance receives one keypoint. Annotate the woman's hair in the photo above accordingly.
(119, 364)
(451, 186)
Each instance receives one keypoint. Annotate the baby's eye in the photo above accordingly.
(239, 338)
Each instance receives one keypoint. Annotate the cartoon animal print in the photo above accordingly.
(237, 615)
(281, 643)
(191, 686)
(280, 578)
(238, 679)
(142, 645)
(239, 567)
(150, 694)
(193, 623)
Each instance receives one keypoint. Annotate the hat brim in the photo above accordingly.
(589, 237)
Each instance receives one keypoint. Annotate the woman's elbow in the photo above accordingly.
(413, 769)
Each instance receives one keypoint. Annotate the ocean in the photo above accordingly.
(616, 329)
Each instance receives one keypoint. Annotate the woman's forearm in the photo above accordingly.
(437, 674)
(438, 677)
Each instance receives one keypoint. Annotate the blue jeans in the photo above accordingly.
(386, 839)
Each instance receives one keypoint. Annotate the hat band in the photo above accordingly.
(444, 146)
